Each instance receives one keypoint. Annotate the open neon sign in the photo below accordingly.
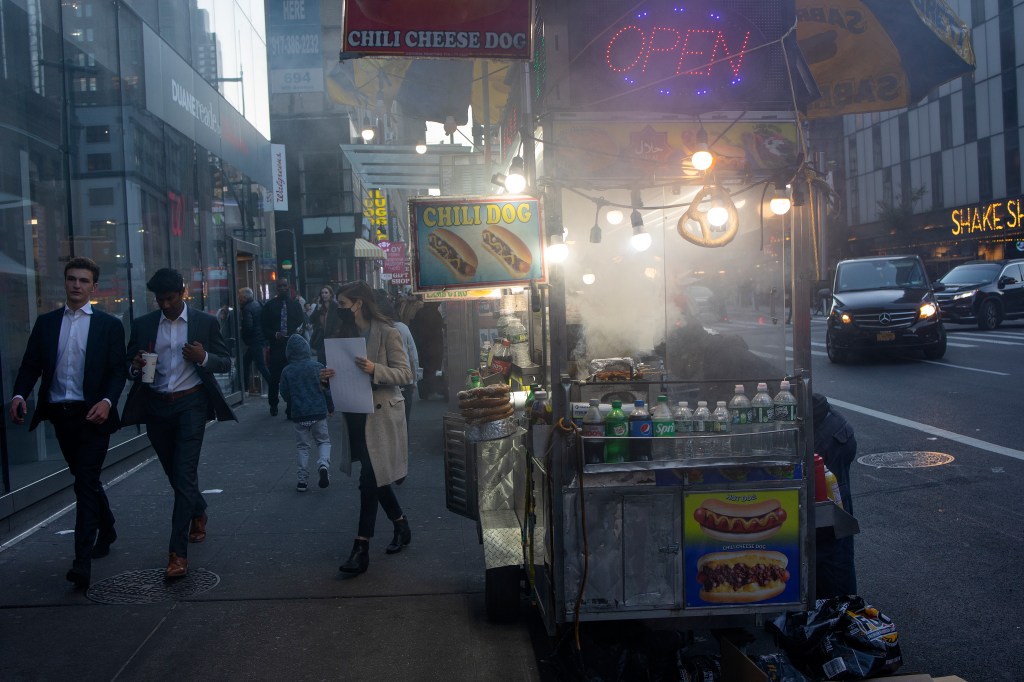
(694, 51)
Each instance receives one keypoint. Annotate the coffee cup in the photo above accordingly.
(149, 370)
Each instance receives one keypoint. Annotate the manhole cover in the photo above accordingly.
(150, 587)
(906, 459)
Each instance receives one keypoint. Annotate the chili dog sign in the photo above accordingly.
(476, 243)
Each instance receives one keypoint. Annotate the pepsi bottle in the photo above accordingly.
(641, 433)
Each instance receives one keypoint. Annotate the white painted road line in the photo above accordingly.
(969, 369)
(931, 430)
(982, 339)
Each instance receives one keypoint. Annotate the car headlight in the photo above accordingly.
(840, 316)
(965, 294)
(927, 310)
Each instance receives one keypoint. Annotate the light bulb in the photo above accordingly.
(589, 278)
(702, 159)
(718, 216)
(780, 202)
(515, 183)
(557, 252)
(367, 134)
(421, 147)
(613, 216)
(641, 241)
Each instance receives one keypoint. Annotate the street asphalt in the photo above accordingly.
(269, 602)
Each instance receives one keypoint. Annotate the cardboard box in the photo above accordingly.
(736, 667)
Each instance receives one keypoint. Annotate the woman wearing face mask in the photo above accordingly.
(325, 321)
(379, 440)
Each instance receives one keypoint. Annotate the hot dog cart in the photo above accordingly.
(676, 535)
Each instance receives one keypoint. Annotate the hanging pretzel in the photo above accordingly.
(711, 236)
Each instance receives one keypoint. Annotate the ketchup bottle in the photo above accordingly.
(820, 484)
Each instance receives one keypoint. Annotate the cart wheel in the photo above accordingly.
(502, 593)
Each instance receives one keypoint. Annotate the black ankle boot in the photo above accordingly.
(359, 560)
(403, 536)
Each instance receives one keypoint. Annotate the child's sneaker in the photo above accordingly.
(325, 477)
(301, 487)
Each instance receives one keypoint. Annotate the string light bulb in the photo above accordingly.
(515, 181)
(780, 202)
(702, 158)
(558, 250)
(641, 239)
(589, 278)
(614, 216)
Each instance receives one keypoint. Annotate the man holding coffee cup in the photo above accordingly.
(78, 352)
(176, 405)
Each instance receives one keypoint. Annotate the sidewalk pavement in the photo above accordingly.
(276, 607)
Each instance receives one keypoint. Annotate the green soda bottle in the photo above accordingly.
(616, 426)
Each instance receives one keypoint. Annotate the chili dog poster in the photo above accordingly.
(741, 547)
(473, 243)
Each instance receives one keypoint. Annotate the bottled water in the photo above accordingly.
(764, 418)
(702, 424)
(742, 413)
(785, 417)
(683, 418)
(664, 429)
(722, 445)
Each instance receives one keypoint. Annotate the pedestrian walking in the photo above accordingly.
(78, 352)
(428, 330)
(325, 322)
(379, 440)
(181, 398)
(410, 350)
(835, 442)
(252, 335)
(282, 316)
(309, 404)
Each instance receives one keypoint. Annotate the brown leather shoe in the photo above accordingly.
(177, 566)
(197, 532)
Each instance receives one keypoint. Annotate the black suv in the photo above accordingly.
(983, 292)
(884, 303)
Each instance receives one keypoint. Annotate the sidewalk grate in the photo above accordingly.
(150, 587)
(905, 459)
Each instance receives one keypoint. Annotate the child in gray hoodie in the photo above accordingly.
(309, 404)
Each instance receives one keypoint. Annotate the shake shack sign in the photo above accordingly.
(995, 218)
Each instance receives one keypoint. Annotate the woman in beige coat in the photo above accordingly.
(379, 440)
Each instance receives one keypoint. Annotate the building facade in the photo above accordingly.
(942, 179)
(134, 133)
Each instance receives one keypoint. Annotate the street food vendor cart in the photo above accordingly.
(702, 289)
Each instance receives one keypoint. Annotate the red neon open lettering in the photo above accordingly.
(699, 50)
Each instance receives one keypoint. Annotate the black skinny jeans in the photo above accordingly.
(370, 494)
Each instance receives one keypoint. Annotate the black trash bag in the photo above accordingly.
(843, 638)
(779, 668)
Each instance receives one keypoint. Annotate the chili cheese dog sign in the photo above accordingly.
(469, 243)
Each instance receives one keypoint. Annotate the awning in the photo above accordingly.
(364, 249)
(400, 167)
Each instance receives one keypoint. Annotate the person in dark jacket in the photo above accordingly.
(252, 336)
(428, 332)
(282, 316)
(309, 404)
(835, 442)
(325, 322)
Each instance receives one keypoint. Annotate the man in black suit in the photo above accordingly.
(282, 316)
(177, 404)
(79, 353)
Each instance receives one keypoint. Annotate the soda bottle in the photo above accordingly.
(683, 419)
(616, 427)
(764, 413)
(785, 418)
(722, 422)
(702, 424)
(742, 413)
(485, 354)
(501, 362)
(641, 429)
(664, 429)
(540, 411)
(593, 429)
(469, 379)
(832, 484)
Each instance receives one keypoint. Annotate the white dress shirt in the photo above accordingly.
(70, 370)
(173, 372)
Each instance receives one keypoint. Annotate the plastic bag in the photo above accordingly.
(779, 668)
(843, 638)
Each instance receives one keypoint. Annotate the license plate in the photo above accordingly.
(886, 336)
